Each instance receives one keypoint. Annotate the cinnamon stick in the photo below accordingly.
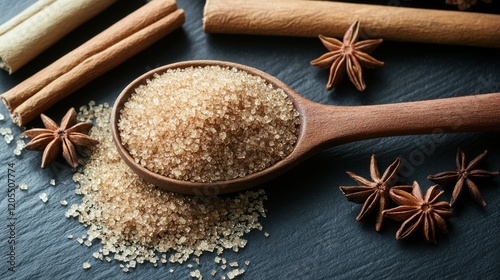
(108, 49)
(311, 18)
(41, 25)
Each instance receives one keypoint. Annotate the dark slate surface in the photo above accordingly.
(313, 230)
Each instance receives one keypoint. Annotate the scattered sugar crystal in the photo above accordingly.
(233, 264)
(221, 124)
(79, 240)
(2, 117)
(247, 263)
(23, 186)
(52, 182)
(213, 272)
(223, 266)
(63, 202)
(195, 274)
(234, 273)
(96, 255)
(171, 270)
(217, 259)
(20, 144)
(19, 147)
(190, 266)
(44, 197)
(266, 234)
(132, 264)
(5, 131)
(86, 265)
(8, 138)
(70, 236)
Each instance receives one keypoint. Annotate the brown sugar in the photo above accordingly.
(137, 223)
(206, 124)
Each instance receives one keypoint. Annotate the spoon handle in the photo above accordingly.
(333, 125)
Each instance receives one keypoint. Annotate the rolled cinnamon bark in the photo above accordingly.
(108, 49)
(310, 18)
(41, 25)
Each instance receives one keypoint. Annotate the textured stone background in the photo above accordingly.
(313, 232)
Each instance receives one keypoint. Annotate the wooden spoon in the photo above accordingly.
(324, 126)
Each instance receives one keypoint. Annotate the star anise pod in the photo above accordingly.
(418, 211)
(349, 56)
(464, 174)
(53, 138)
(371, 194)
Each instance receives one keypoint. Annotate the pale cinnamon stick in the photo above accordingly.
(310, 18)
(134, 22)
(97, 56)
(41, 25)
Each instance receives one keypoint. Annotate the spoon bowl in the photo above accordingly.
(324, 126)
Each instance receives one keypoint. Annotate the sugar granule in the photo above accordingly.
(234, 273)
(44, 197)
(138, 223)
(5, 131)
(23, 186)
(195, 274)
(86, 265)
(208, 124)
(20, 145)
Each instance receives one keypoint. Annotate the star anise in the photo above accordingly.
(464, 174)
(53, 138)
(418, 211)
(371, 194)
(349, 56)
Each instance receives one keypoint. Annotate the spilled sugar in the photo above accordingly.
(137, 223)
(206, 124)
(44, 197)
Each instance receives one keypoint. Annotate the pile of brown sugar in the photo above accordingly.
(206, 124)
(138, 223)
